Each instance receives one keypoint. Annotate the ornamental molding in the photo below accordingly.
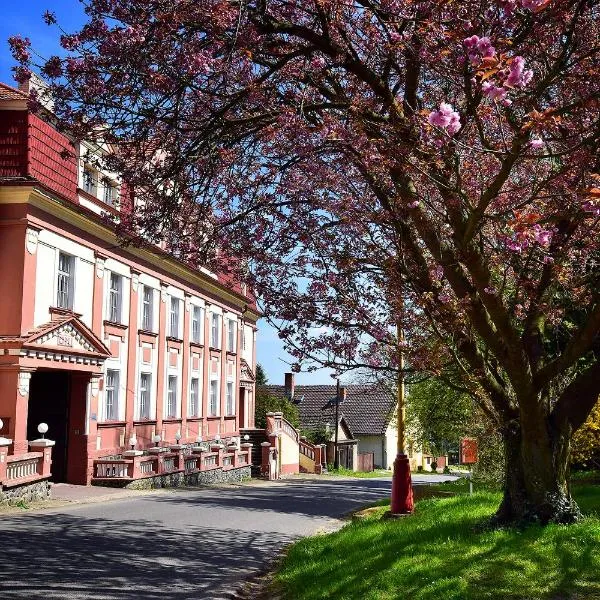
(24, 381)
(100, 267)
(135, 281)
(31, 239)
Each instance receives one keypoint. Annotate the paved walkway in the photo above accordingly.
(175, 544)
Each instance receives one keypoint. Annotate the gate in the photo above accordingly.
(366, 461)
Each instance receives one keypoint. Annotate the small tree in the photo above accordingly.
(586, 442)
(438, 415)
(261, 376)
(266, 403)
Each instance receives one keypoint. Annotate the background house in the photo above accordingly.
(365, 419)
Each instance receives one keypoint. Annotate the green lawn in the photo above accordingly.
(348, 473)
(444, 552)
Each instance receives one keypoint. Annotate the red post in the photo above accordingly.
(402, 492)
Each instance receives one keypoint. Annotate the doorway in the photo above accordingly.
(242, 409)
(49, 395)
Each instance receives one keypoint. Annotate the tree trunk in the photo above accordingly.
(536, 486)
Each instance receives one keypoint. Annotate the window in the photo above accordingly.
(231, 345)
(214, 330)
(243, 337)
(194, 396)
(196, 324)
(172, 397)
(213, 409)
(147, 306)
(110, 194)
(144, 397)
(90, 181)
(115, 295)
(230, 407)
(66, 279)
(111, 390)
(174, 328)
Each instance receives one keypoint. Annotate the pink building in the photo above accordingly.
(110, 346)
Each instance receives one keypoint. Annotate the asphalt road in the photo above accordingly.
(176, 544)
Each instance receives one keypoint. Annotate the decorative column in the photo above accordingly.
(162, 357)
(132, 350)
(98, 298)
(29, 277)
(185, 367)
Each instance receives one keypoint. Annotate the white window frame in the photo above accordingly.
(194, 399)
(109, 196)
(215, 333)
(174, 317)
(68, 276)
(115, 298)
(230, 399)
(147, 323)
(196, 332)
(213, 398)
(171, 400)
(145, 407)
(111, 390)
(231, 334)
(90, 184)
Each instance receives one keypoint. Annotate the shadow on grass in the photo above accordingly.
(441, 553)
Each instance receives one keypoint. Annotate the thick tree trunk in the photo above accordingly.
(536, 486)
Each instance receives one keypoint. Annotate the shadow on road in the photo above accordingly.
(182, 544)
(63, 556)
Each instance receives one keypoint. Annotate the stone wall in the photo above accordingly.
(28, 492)
(172, 480)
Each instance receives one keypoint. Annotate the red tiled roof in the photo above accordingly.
(10, 93)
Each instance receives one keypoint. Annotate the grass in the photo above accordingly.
(444, 552)
(348, 473)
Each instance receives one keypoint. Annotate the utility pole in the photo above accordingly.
(402, 493)
(336, 458)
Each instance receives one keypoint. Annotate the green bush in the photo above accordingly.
(266, 403)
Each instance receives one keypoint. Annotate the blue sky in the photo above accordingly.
(25, 18)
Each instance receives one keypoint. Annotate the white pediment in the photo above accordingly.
(66, 336)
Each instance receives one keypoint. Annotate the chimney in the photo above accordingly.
(41, 87)
(343, 392)
(289, 385)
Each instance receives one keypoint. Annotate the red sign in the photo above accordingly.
(468, 451)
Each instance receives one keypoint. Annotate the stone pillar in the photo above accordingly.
(247, 448)
(45, 446)
(14, 401)
(318, 459)
(265, 465)
(4, 444)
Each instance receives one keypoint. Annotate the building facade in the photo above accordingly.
(111, 346)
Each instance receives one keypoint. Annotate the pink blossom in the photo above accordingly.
(548, 260)
(494, 92)
(518, 76)
(542, 236)
(471, 42)
(445, 118)
(533, 4)
(536, 143)
(19, 47)
(413, 204)
(591, 207)
(484, 46)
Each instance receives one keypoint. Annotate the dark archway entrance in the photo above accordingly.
(49, 400)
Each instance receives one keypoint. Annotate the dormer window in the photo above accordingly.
(90, 181)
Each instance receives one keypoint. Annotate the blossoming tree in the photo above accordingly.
(429, 165)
